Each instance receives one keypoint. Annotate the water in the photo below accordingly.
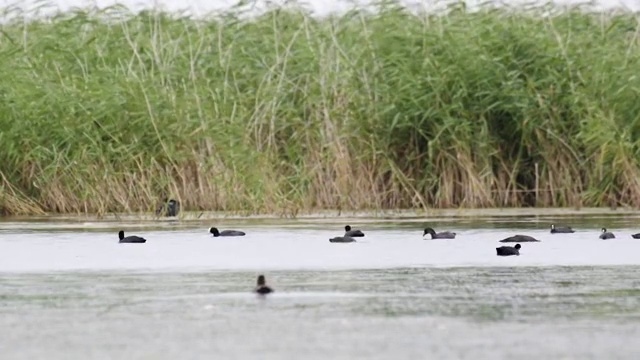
(68, 290)
(303, 244)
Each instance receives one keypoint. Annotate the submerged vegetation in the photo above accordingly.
(108, 111)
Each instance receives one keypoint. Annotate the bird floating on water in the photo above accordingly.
(352, 233)
(130, 239)
(561, 229)
(342, 239)
(508, 250)
(440, 235)
(217, 233)
(261, 286)
(606, 235)
(519, 238)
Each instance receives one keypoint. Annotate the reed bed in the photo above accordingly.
(111, 111)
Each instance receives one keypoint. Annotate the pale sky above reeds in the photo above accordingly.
(320, 7)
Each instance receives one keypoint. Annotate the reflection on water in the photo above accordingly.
(73, 292)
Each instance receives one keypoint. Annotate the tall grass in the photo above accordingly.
(110, 111)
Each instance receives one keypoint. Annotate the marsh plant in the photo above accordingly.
(108, 110)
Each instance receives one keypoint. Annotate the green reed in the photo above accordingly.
(110, 111)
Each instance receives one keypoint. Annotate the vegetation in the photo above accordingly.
(107, 111)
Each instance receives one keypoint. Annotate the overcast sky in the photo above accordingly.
(321, 7)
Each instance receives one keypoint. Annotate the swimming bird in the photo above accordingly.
(130, 239)
(519, 238)
(217, 233)
(508, 250)
(606, 234)
(441, 235)
(352, 233)
(636, 236)
(561, 230)
(261, 287)
(169, 207)
(342, 239)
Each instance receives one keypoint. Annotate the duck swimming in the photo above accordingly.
(508, 250)
(130, 239)
(342, 239)
(217, 233)
(561, 229)
(606, 235)
(441, 235)
(519, 238)
(261, 287)
(352, 233)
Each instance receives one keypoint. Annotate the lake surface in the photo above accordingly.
(68, 290)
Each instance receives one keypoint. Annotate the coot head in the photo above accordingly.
(429, 231)
(261, 280)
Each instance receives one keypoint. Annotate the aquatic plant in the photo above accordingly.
(108, 110)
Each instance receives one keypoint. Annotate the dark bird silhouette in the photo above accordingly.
(217, 233)
(561, 229)
(352, 233)
(261, 287)
(342, 239)
(441, 235)
(519, 238)
(168, 208)
(606, 235)
(508, 250)
(130, 239)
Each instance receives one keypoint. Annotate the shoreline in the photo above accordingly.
(328, 215)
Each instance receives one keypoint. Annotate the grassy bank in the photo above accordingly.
(287, 113)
